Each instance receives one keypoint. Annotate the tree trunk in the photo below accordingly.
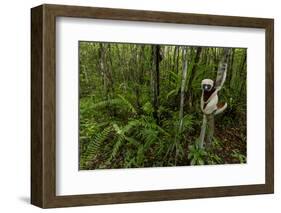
(192, 74)
(135, 70)
(243, 74)
(243, 62)
(109, 66)
(203, 131)
(176, 50)
(155, 80)
(211, 129)
(231, 63)
(183, 83)
(208, 120)
(102, 63)
(142, 61)
(241, 71)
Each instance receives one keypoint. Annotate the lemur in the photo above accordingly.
(209, 98)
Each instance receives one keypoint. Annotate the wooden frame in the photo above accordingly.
(43, 106)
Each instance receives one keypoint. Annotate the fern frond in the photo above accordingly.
(175, 77)
(127, 103)
(188, 122)
(116, 147)
(120, 102)
(93, 147)
(147, 108)
(121, 139)
(172, 93)
(110, 102)
(131, 124)
(149, 135)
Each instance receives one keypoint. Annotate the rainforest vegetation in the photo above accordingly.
(140, 106)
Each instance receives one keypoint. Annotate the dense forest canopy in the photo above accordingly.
(140, 105)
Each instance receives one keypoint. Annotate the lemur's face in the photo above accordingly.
(207, 85)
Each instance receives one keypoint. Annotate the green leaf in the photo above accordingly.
(201, 162)
(193, 162)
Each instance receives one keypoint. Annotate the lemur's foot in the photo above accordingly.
(220, 108)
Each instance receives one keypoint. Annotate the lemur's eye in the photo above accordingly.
(206, 86)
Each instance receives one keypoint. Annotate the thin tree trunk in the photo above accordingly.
(157, 72)
(203, 131)
(110, 68)
(152, 79)
(244, 74)
(211, 129)
(135, 70)
(241, 70)
(243, 62)
(183, 83)
(174, 63)
(120, 63)
(177, 60)
(155, 80)
(103, 68)
(194, 63)
(231, 63)
(142, 61)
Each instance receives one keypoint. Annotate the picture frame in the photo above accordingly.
(43, 105)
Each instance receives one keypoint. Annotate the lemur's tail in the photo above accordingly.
(220, 108)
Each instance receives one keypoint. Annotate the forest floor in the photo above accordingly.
(231, 139)
(230, 146)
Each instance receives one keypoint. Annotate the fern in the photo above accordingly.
(188, 122)
(110, 102)
(196, 155)
(240, 157)
(146, 132)
(93, 147)
(148, 108)
(127, 103)
(149, 135)
(131, 124)
(116, 147)
(173, 92)
(176, 78)
(121, 138)
(87, 129)
(140, 156)
(120, 102)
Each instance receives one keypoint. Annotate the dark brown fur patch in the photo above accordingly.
(207, 94)
(220, 105)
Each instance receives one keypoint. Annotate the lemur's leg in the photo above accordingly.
(220, 108)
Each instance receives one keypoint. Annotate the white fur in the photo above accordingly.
(211, 103)
(218, 111)
(208, 81)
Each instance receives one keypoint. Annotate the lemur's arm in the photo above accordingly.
(222, 69)
(221, 76)
(213, 95)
